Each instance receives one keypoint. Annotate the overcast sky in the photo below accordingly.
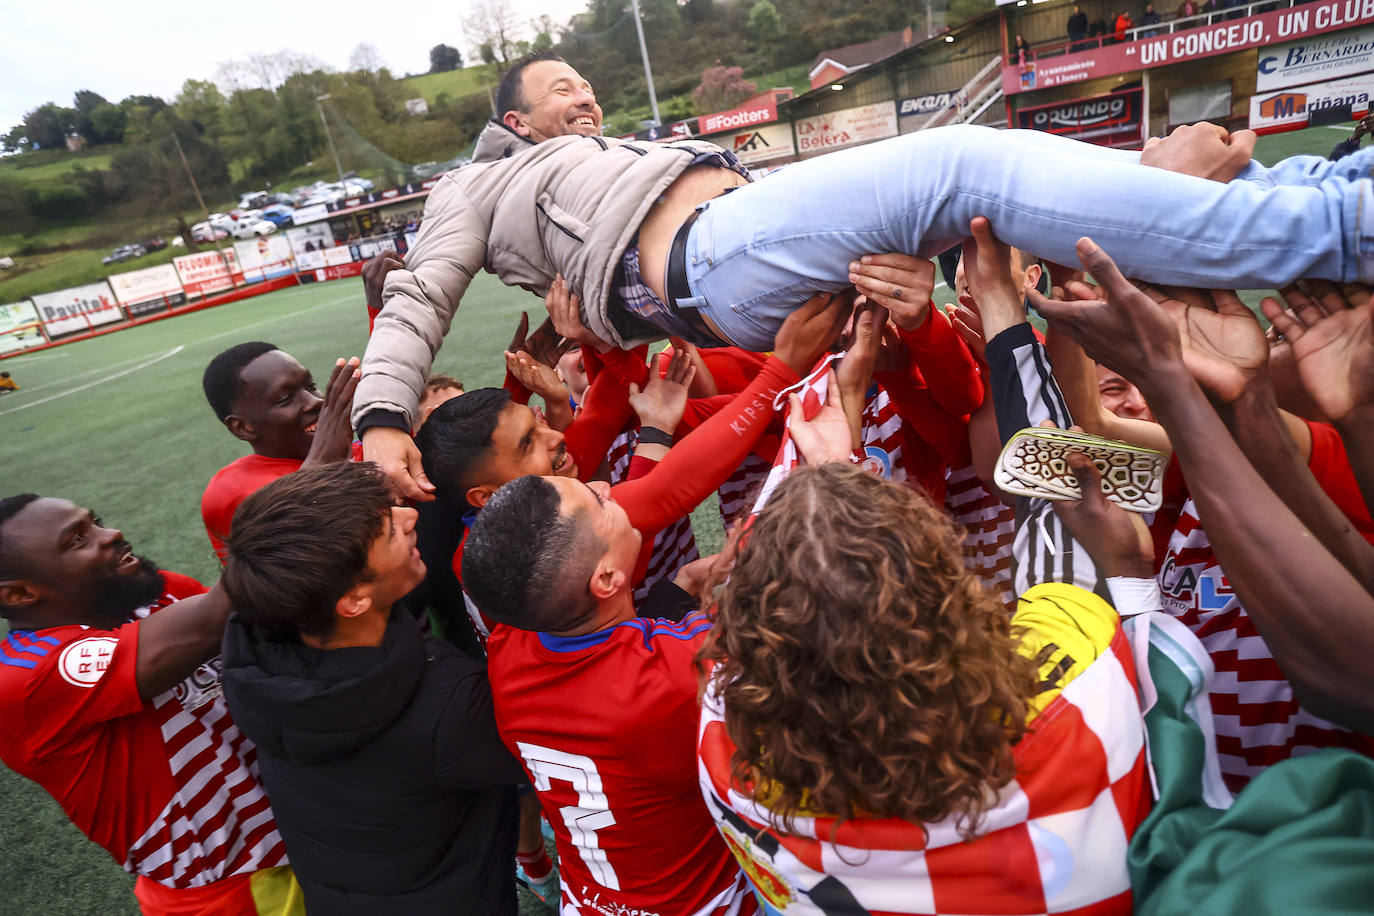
(55, 47)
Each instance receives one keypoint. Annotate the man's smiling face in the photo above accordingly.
(558, 103)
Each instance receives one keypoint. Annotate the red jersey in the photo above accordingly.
(231, 485)
(1257, 719)
(605, 725)
(168, 786)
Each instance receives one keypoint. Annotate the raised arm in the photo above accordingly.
(418, 306)
(1315, 617)
(174, 642)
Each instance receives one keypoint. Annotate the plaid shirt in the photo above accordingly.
(634, 294)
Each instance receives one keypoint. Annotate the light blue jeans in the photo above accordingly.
(758, 252)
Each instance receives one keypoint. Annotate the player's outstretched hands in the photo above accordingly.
(563, 306)
(1330, 332)
(1129, 332)
(826, 436)
(1117, 540)
(1202, 150)
(811, 329)
(374, 276)
(663, 398)
(1223, 344)
(900, 283)
(987, 267)
(855, 371)
(394, 451)
(333, 429)
(543, 344)
(539, 378)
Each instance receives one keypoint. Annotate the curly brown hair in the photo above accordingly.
(864, 670)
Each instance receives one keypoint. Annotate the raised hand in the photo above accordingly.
(663, 398)
(1117, 540)
(1330, 332)
(563, 306)
(374, 276)
(536, 376)
(1223, 344)
(1129, 332)
(333, 429)
(811, 329)
(395, 453)
(826, 436)
(855, 371)
(544, 344)
(900, 283)
(987, 267)
(1203, 150)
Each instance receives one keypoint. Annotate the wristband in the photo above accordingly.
(652, 435)
(1132, 595)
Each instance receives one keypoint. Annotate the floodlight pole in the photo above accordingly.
(644, 53)
(228, 268)
(327, 135)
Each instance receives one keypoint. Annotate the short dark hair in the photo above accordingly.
(527, 565)
(437, 382)
(457, 437)
(223, 379)
(11, 506)
(510, 95)
(299, 543)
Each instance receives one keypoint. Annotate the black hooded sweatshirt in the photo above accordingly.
(387, 778)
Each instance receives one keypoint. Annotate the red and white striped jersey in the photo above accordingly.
(674, 546)
(1258, 721)
(738, 492)
(989, 529)
(169, 787)
(1055, 842)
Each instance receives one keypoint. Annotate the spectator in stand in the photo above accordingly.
(110, 700)
(1077, 27)
(1186, 10)
(1098, 29)
(377, 743)
(269, 400)
(1022, 50)
(1149, 17)
(1123, 24)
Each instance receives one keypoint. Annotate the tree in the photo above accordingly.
(47, 126)
(366, 59)
(493, 27)
(721, 88)
(963, 10)
(107, 124)
(765, 25)
(84, 103)
(443, 58)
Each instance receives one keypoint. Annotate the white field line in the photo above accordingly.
(1349, 130)
(92, 384)
(35, 357)
(124, 362)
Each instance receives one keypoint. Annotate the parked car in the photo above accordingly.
(154, 244)
(204, 232)
(253, 227)
(280, 214)
(124, 253)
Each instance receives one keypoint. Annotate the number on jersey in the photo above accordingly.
(592, 811)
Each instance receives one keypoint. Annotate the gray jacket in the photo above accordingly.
(526, 212)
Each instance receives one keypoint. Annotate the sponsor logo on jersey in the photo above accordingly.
(84, 662)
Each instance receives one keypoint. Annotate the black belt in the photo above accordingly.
(677, 287)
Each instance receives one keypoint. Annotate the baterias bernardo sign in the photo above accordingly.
(1321, 57)
(1107, 120)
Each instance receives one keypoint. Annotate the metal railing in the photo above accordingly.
(976, 96)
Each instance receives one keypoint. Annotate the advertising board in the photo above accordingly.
(850, 126)
(81, 308)
(20, 328)
(206, 272)
(756, 111)
(1107, 120)
(1221, 37)
(310, 238)
(1291, 109)
(264, 257)
(151, 289)
(1315, 58)
(757, 145)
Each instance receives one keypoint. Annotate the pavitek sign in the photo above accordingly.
(1193, 44)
